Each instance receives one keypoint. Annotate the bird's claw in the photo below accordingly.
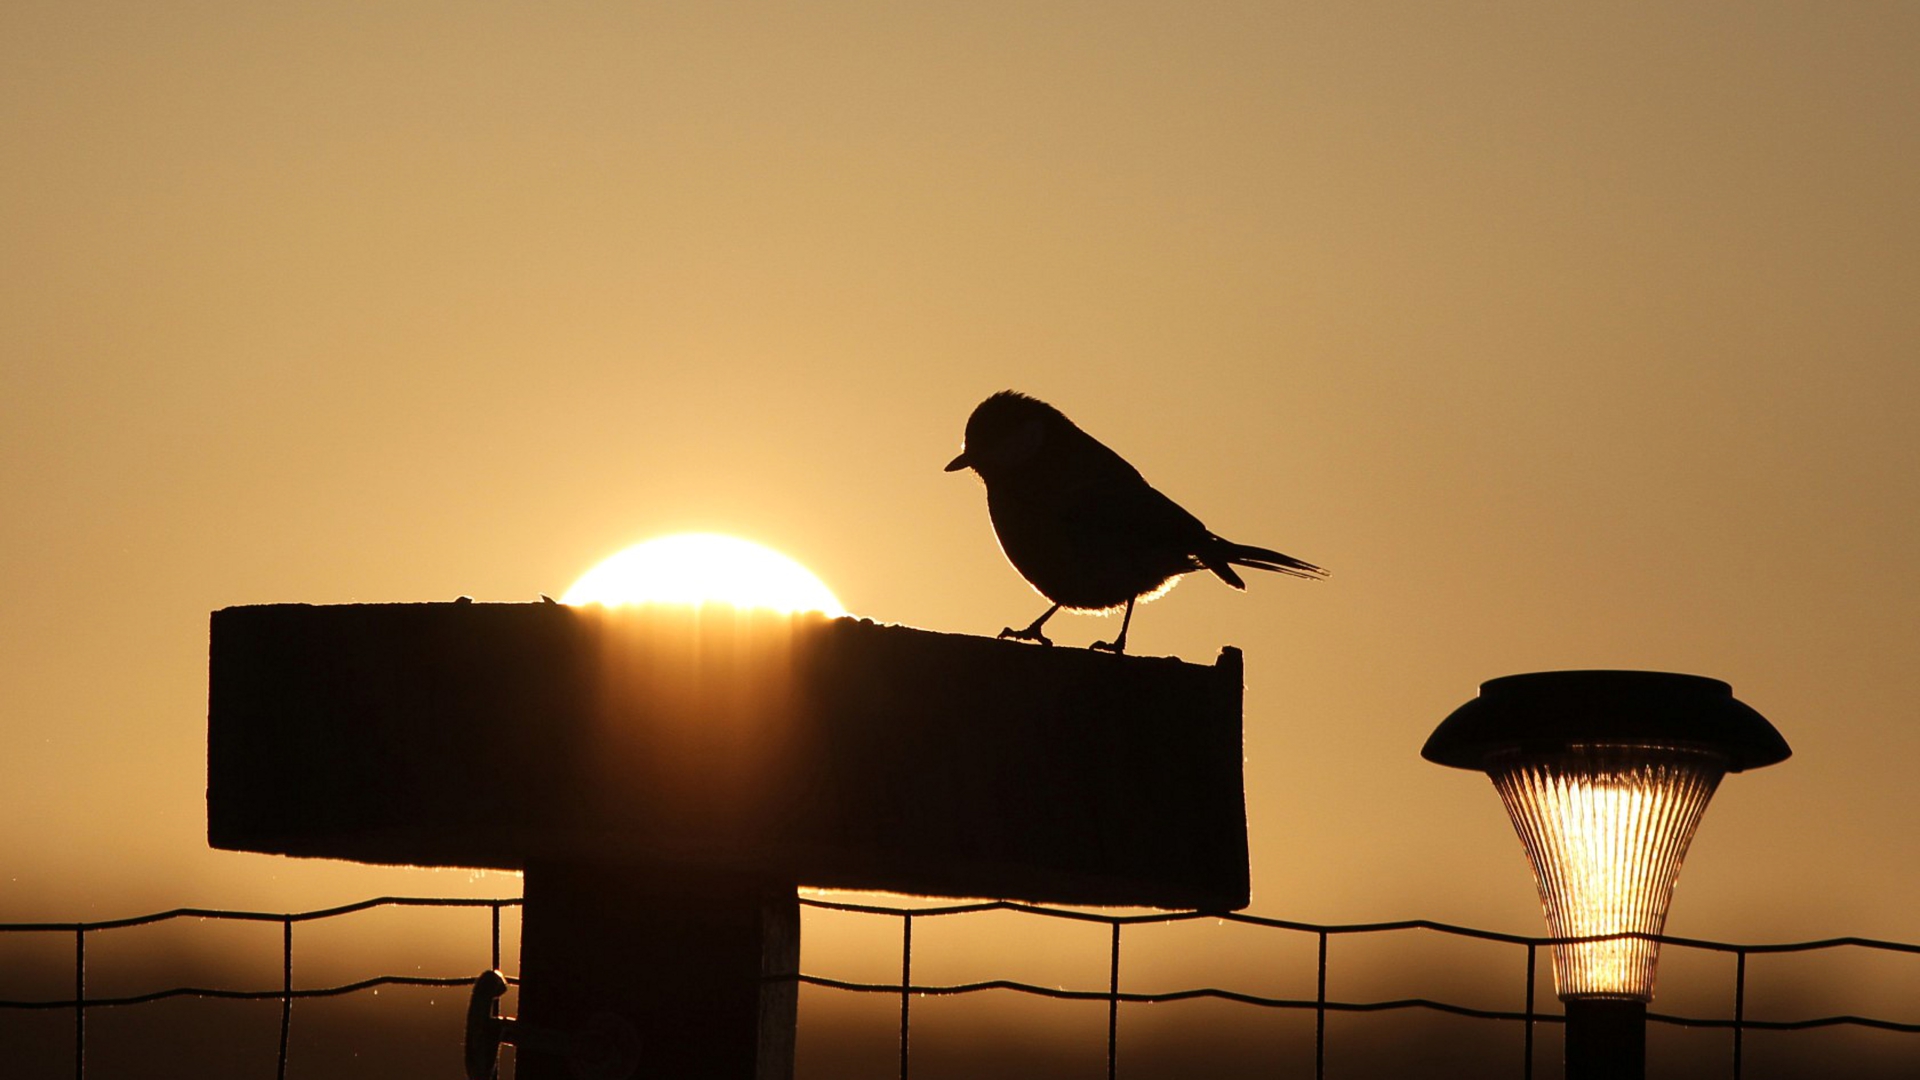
(1029, 634)
(1115, 647)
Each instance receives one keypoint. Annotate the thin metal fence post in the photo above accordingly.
(80, 1003)
(1320, 1016)
(1526, 1071)
(286, 990)
(495, 908)
(1113, 1004)
(906, 986)
(1739, 1006)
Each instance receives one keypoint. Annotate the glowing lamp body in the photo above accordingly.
(1606, 775)
(1605, 828)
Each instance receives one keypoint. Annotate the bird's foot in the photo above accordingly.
(1031, 633)
(1116, 646)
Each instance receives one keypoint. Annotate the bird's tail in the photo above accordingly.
(1225, 555)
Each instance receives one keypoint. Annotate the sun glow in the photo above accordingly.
(704, 568)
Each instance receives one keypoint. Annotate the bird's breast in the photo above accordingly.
(1075, 558)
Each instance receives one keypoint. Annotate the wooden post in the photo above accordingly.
(683, 958)
(665, 781)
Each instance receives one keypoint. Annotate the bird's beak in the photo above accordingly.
(959, 463)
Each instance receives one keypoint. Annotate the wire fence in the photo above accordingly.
(286, 993)
(1527, 1017)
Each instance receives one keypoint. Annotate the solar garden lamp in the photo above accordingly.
(1605, 775)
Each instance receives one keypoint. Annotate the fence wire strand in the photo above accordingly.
(907, 989)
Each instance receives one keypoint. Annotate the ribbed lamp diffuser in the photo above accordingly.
(1605, 828)
(1605, 775)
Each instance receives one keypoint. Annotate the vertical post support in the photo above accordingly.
(700, 965)
(1526, 1065)
(1113, 1006)
(906, 988)
(1320, 1015)
(80, 1003)
(1606, 1039)
(286, 993)
(1739, 1008)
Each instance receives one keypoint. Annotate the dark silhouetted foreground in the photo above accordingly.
(667, 777)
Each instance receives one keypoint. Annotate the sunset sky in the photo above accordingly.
(1564, 337)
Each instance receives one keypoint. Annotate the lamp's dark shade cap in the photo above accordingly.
(1546, 710)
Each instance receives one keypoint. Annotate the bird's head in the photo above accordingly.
(1005, 431)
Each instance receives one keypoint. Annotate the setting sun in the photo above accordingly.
(700, 568)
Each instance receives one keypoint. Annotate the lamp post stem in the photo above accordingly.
(1606, 1039)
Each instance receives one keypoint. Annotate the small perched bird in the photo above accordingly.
(1081, 525)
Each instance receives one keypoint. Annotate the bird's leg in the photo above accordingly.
(1032, 632)
(1119, 645)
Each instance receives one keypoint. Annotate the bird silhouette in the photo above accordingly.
(1081, 525)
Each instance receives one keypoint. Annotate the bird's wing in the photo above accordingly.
(1113, 504)
(1114, 511)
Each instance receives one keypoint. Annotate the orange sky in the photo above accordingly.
(1575, 338)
